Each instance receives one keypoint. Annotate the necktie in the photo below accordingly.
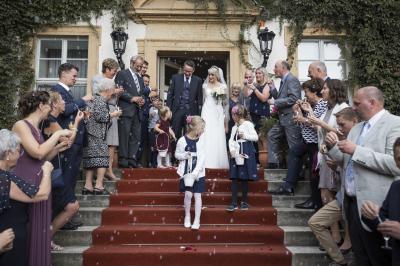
(280, 86)
(186, 84)
(349, 175)
(136, 82)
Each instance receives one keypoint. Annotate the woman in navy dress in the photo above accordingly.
(190, 148)
(241, 145)
(15, 193)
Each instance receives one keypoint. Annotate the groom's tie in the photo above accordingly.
(186, 83)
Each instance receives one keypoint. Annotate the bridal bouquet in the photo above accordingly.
(219, 94)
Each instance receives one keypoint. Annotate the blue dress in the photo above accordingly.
(247, 171)
(198, 186)
(14, 214)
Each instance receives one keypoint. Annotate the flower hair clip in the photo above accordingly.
(235, 109)
(189, 119)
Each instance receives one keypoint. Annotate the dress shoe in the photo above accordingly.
(76, 220)
(69, 226)
(282, 191)
(123, 165)
(132, 164)
(308, 205)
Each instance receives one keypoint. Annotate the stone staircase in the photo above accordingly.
(297, 235)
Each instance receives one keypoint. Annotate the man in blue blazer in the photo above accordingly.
(185, 97)
(68, 74)
(131, 101)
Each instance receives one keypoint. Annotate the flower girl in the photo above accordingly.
(243, 164)
(191, 156)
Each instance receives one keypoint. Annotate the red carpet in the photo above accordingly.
(144, 225)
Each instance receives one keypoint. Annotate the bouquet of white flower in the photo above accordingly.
(219, 94)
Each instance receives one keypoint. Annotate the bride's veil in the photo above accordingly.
(221, 76)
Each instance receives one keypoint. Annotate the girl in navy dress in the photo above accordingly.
(164, 134)
(243, 164)
(190, 148)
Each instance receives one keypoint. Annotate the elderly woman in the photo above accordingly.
(64, 203)
(95, 154)
(34, 106)
(15, 193)
(109, 68)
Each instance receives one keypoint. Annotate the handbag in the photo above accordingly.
(57, 180)
(189, 178)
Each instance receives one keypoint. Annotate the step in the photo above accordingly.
(172, 185)
(282, 201)
(109, 185)
(174, 215)
(144, 173)
(93, 200)
(308, 256)
(293, 217)
(177, 234)
(91, 216)
(69, 256)
(275, 174)
(302, 187)
(174, 198)
(81, 236)
(299, 236)
(178, 255)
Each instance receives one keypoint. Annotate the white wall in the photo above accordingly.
(133, 30)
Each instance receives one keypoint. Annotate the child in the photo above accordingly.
(191, 146)
(241, 145)
(164, 132)
(153, 118)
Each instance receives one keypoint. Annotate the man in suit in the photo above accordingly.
(284, 99)
(317, 70)
(388, 222)
(185, 97)
(130, 102)
(367, 159)
(68, 74)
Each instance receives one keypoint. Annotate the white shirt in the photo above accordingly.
(64, 86)
(136, 79)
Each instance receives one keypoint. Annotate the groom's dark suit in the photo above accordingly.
(129, 122)
(180, 106)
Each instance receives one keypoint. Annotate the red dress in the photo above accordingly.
(163, 140)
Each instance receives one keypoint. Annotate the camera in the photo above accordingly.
(245, 82)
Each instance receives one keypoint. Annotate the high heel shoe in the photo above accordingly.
(86, 191)
(100, 191)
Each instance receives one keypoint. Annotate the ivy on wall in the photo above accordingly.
(20, 20)
(368, 32)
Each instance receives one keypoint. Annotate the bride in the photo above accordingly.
(213, 114)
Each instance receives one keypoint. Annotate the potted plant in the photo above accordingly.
(265, 125)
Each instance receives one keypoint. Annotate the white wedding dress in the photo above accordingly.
(214, 131)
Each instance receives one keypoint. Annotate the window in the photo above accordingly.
(326, 51)
(54, 51)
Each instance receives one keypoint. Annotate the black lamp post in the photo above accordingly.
(266, 39)
(119, 38)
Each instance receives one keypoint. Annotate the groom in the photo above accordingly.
(185, 97)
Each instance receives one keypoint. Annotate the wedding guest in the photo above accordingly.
(130, 102)
(284, 99)
(64, 202)
(321, 222)
(241, 144)
(386, 219)
(313, 104)
(153, 119)
(164, 135)
(145, 66)
(248, 79)
(68, 74)
(190, 154)
(15, 194)
(109, 69)
(369, 168)
(95, 154)
(34, 107)
(233, 101)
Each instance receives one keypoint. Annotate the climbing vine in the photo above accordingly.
(368, 32)
(20, 20)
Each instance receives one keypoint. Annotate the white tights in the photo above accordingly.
(197, 205)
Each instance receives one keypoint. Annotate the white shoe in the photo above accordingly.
(196, 225)
(187, 222)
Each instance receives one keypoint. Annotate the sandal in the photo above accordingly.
(100, 191)
(86, 191)
(55, 247)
